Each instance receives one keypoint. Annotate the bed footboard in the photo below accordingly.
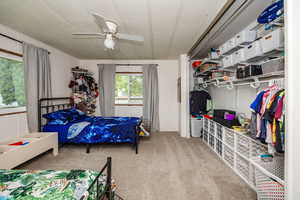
(97, 190)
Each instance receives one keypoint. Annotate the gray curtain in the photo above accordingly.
(107, 89)
(37, 75)
(151, 97)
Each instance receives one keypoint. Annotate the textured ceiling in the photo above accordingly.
(170, 27)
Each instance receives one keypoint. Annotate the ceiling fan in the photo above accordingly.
(109, 32)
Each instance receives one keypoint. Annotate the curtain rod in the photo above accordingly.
(135, 64)
(16, 40)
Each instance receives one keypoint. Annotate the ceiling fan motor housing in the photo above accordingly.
(113, 27)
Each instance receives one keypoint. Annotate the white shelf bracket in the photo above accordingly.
(217, 83)
(256, 83)
(230, 85)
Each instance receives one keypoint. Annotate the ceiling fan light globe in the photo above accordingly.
(109, 43)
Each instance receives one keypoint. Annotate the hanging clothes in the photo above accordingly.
(199, 101)
(267, 118)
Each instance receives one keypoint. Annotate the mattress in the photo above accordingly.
(90, 130)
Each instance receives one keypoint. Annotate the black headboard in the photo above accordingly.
(48, 105)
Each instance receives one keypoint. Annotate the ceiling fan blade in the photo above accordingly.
(92, 35)
(136, 38)
(101, 22)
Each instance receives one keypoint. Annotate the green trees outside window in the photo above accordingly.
(129, 89)
(12, 93)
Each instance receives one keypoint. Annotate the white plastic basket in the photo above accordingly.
(229, 156)
(212, 141)
(212, 127)
(205, 136)
(229, 137)
(220, 131)
(227, 61)
(269, 178)
(243, 145)
(219, 147)
(205, 124)
(243, 167)
(258, 149)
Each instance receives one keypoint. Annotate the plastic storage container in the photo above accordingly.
(223, 49)
(227, 61)
(245, 37)
(273, 66)
(269, 178)
(273, 41)
(230, 44)
(239, 56)
(253, 50)
(196, 127)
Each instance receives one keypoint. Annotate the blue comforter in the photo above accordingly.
(90, 130)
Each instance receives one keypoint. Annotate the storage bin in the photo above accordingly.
(245, 37)
(252, 175)
(239, 56)
(240, 72)
(258, 149)
(274, 65)
(269, 178)
(212, 141)
(243, 167)
(223, 49)
(196, 127)
(220, 132)
(253, 50)
(230, 44)
(212, 127)
(252, 70)
(219, 147)
(229, 156)
(205, 136)
(227, 61)
(273, 41)
(229, 137)
(205, 124)
(243, 145)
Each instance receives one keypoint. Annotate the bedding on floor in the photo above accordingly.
(47, 184)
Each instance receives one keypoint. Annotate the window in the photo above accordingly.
(12, 92)
(129, 89)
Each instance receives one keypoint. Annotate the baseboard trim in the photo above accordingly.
(169, 132)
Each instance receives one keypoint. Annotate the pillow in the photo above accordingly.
(63, 115)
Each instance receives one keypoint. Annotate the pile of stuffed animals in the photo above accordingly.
(84, 90)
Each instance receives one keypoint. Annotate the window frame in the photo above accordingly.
(129, 73)
(18, 57)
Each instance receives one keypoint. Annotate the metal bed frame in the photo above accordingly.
(48, 105)
(107, 192)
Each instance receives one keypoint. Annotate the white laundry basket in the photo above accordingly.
(269, 178)
(196, 127)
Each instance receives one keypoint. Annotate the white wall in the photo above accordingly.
(167, 77)
(61, 63)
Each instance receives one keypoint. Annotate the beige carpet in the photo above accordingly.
(167, 168)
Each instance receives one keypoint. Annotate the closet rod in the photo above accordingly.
(16, 40)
